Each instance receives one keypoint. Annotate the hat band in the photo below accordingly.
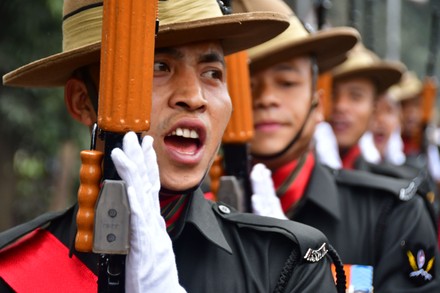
(83, 28)
(172, 11)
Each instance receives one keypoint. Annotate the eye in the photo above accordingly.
(161, 67)
(287, 82)
(214, 74)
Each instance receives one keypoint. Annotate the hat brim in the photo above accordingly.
(383, 75)
(329, 47)
(235, 32)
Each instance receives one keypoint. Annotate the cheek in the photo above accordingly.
(220, 106)
(364, 112)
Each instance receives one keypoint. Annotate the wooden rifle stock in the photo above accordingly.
(429, 92)
(324, 85)
(126, 78)
(429, 95)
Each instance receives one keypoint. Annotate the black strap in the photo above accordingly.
(341, 280)
(287, 271)
(17, 232)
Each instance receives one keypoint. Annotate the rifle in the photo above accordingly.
(429, 92)
(230, 172)
(126, 77)
(352, 13)
(321, 9)
(325, 79)
(369, 24)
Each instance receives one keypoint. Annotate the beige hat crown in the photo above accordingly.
(329, 46)
(181, 22)
(409, 87)
(363, 63)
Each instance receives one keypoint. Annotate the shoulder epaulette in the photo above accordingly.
(403, 189)
(9, 236)
(312, 242)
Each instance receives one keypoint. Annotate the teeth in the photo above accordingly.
(194, 134)
(185, 132)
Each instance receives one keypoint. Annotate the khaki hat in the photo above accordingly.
(409, 87)
(361, 62)
(328, 46)
(181, 22)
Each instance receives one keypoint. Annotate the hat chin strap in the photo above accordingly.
(298, 135)
(294, 139)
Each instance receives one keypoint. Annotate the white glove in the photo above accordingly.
(368, 148)
(265, 202)
(394, 149)
(150, 263)
(326, 146)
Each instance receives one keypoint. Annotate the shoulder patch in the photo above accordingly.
(403, 189)
(420, 262)
(312, 242)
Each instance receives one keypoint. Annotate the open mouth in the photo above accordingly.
(379, 137)
(340, 125)
(184, 140)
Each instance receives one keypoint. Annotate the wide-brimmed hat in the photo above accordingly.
(181, 22)
(363, 63)
(410, 86)
(328, 46)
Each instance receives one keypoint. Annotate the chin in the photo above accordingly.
(180, 183)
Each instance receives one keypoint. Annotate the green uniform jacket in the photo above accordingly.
(220, 250)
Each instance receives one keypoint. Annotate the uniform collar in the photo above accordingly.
(322, 190)
(350, 156)
(201, 215)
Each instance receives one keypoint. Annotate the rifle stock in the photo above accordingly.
(126, 78)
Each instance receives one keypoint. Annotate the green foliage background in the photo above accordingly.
(34, 122)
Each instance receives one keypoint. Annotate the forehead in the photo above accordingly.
(298, 64)
(198, 48)
(355, 83)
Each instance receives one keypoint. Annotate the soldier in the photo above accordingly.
(374, 230)
(356, 85)
(417, 148)
(210, 248)
(385, 130)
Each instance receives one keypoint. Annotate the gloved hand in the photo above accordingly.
(150, 263)
(265, 202)
(326, 146)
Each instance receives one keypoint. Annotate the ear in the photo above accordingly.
(319, 110)
(78, 102)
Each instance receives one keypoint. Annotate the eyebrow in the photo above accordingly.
(205, 58)
(173, 52)
(212, 57)
(286, 67)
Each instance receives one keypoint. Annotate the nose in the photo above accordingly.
(188, 94)
(263, 94)
(340, 103)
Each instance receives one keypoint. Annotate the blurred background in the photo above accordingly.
(40, 143)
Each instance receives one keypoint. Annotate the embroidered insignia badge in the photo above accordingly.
(313, 255)
(420, 263)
